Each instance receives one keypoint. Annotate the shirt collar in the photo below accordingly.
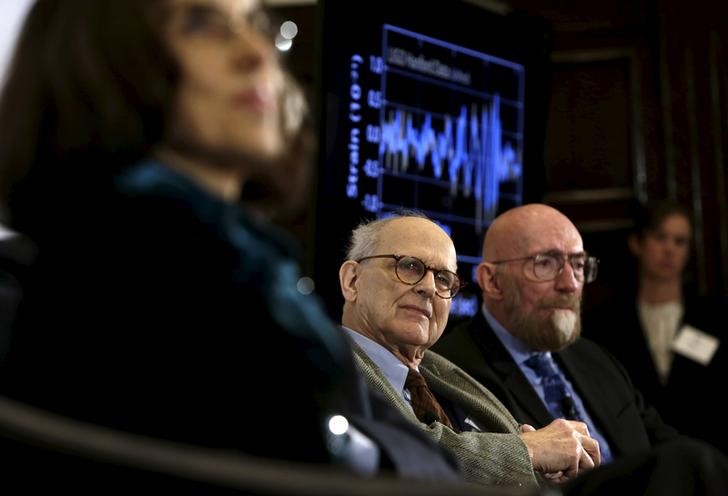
(393, 369)
(517, 348)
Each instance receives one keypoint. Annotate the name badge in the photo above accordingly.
(695, 344)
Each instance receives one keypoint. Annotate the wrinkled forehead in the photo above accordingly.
(419, 238)
(556, 235)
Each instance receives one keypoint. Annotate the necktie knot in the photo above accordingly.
(542, 365)
(414, 380)
(556, 394)
(424, 403)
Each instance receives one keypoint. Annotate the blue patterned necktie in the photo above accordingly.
(558, 400)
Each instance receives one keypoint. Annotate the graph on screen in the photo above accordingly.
(448, 131)
(436, 127)
(444, 115)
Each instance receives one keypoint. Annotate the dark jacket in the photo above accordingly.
(689, 399)
(600, 381)
(154, 308)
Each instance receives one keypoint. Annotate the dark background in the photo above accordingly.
(637, 110)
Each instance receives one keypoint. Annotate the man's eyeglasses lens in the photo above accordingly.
(547, 267)
(411, 270)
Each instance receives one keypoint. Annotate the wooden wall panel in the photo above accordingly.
(674, 89)
(693, 40)
(719, 101)
(588, 134)
(595, 160)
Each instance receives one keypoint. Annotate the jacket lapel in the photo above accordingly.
(503, 365)
(380, 384)
(445, 378)
(595, 396)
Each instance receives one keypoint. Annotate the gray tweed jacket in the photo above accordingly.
(496, 456)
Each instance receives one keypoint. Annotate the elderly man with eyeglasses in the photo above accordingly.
(525, 344)
(398, 282)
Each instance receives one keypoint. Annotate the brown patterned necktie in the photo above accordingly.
(424, 404)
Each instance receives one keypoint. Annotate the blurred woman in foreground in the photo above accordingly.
(157, 305)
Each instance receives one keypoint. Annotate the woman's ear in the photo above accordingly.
(488, 281)
(348, 278)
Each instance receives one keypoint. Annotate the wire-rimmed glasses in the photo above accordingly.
(547, 266)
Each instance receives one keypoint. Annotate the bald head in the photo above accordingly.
(404, 317)
(518, 231)
(543, 312)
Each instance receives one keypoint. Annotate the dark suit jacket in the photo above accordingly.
(688, 400)
(601, 382)
(149, 309)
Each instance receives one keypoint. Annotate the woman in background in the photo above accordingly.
(667, 336)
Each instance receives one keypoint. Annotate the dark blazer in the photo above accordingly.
(687, 401)
(601, 382)
(154, 308)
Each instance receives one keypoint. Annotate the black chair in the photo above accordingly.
(42, 451)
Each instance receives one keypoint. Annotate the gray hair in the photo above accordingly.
(365, 237)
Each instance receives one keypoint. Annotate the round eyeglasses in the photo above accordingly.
(411, 270)
(547, 266)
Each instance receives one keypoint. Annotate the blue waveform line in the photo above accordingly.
(470, 146)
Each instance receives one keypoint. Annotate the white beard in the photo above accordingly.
(564, 322)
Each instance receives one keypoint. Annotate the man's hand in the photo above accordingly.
(561, 449)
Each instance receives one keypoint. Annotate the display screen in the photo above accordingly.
(431, 116)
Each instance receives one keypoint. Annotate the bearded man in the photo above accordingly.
(525, 345)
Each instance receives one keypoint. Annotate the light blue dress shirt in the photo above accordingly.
(393, 369)
(520, 353)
